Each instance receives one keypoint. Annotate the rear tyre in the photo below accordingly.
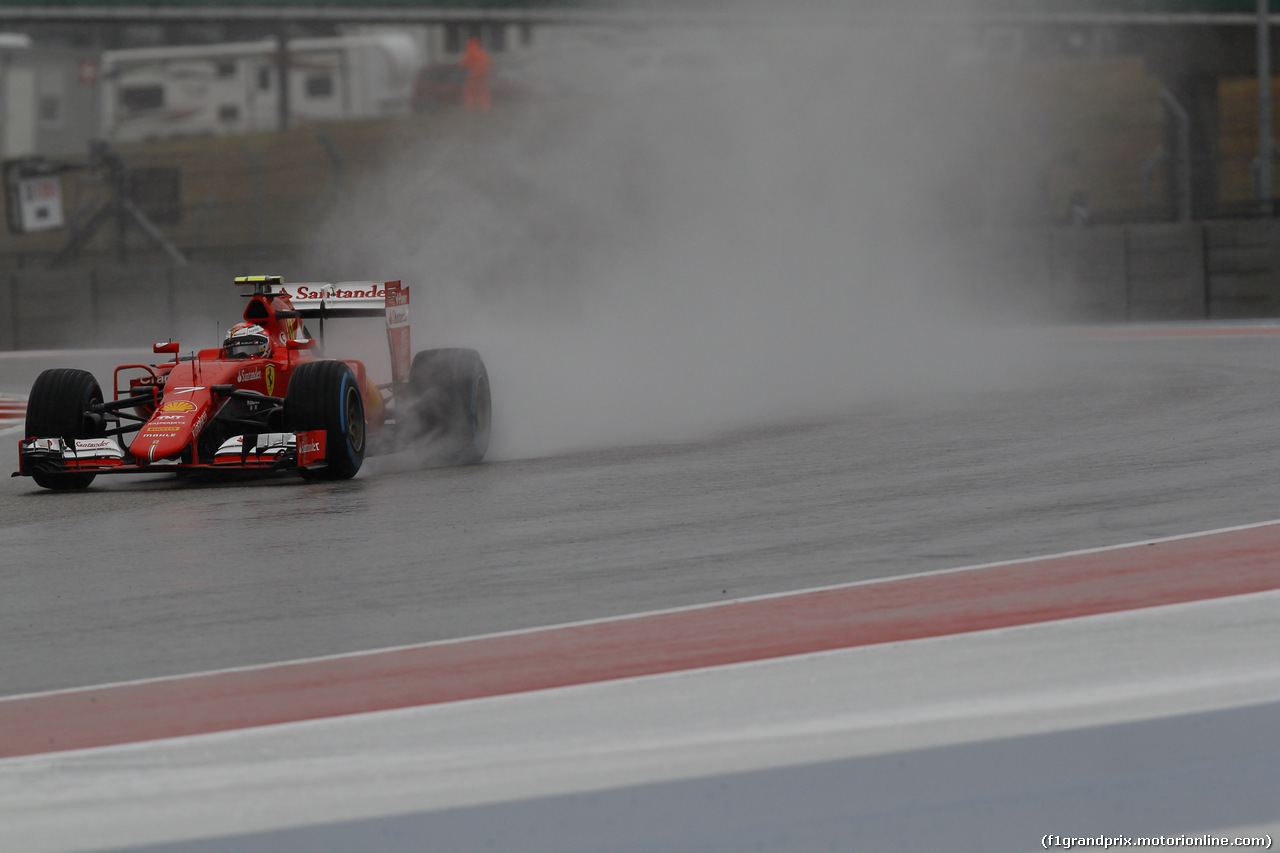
(59, 406)
(325, 395)
(452, 403)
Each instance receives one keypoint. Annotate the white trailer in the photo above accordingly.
(191, 90)
(48, 99)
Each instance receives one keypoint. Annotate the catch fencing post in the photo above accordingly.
(1183, 164)
(1266, 187)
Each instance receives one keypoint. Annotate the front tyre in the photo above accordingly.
(452, 403)
(60, 407)
(326, 395)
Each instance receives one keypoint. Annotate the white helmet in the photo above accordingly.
(246, 340)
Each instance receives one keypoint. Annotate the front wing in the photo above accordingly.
(276, 451)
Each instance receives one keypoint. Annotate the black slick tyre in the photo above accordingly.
(59, 407)
(452, 403)
(326, 395)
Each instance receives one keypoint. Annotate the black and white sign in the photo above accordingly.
(40, 203)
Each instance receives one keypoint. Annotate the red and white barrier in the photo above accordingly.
(13, 409)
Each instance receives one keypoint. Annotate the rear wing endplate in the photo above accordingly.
(397, 308)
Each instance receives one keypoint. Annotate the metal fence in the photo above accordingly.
(1226, 269)
(1211, 270)
(235, 195)
(109, 305)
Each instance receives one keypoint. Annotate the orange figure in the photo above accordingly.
(475, 91)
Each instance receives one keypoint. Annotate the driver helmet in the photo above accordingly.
(246, 340)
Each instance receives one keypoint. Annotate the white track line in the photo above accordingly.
(644, 614)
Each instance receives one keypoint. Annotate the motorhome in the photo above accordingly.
(190, 90)
(48, 98)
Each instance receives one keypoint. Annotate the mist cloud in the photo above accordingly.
(693, 230)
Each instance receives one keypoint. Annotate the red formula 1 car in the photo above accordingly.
(266, 400)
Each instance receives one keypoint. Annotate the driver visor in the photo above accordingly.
(243, 347)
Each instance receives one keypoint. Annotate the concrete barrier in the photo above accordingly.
(1148, 272)
(1243, 266)
(1165, 272)
(1088, 274)
(53, 308)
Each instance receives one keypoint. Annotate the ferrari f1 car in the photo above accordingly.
(266, 400)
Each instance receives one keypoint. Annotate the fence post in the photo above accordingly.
(1184, 154)
(171, 300)
(12, 331)
(95, 310)
(1126, 278)
(259, 186)
(334, 151)
(1265, 185)
(1052, 266)
(1205, 269)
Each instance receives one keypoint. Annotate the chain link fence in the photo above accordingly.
(215, 198)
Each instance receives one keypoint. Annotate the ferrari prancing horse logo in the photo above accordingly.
(271, 380)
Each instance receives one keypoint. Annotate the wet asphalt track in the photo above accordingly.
(145, 577)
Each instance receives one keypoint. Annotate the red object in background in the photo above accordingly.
(88, 71)
(475, 89)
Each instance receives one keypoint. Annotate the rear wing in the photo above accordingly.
(344, 299)
(323, 300)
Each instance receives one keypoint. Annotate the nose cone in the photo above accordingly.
(171, 429)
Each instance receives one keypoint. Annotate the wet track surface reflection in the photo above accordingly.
(144, 577)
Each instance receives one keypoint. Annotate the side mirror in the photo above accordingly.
(171, 347)
(306, 343)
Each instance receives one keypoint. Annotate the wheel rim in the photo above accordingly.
(354, 416)
(480, 406)
(90, 424)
